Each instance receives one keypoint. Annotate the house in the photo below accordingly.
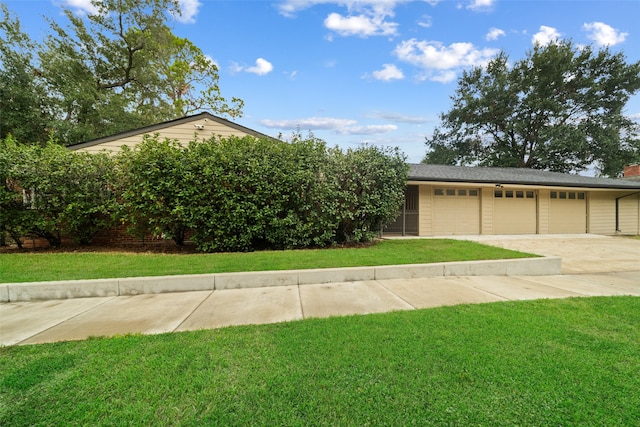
(185, 129)
(459, 200)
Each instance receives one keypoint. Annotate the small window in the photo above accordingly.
(439, 192)
(519, 194)
(508, 194)
(563, 194)
(572, 195)
(529, 194)
(462, 192)
(473, 193)
(580, 196)
(554, 195)
(451, 192)
(497, 194)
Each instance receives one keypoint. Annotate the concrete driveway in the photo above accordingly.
(580, 253)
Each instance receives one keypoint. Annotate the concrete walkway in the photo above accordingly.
(603, 272)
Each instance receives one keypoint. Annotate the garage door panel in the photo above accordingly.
(456, 211)
(515, 212)
(567, 212)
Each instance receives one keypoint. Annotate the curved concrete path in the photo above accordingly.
(80, 318)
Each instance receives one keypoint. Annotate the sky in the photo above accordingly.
(377, 72)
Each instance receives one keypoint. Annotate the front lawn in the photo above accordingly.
(46, 266)
(535, 363)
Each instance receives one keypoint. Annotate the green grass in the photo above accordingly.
(535, 363)
(34, 266)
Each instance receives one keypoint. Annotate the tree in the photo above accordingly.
(115, 70)
(560, 109)
(25, 113)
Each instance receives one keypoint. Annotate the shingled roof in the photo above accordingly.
(441, 173)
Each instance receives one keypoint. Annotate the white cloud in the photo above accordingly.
(480, 4)
(546, 35)
(494, 34)
(310, 123)
(367, 130)
(262, 67)
(81, 6)
(441, 63)
(360, 25)
(425, 21)
(188, 11)
(364, 18)
(399, 118)
(289, 8)
(603, 34)
(338, 126)
(389, 72)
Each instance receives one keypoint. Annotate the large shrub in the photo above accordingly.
(51, 192)
(151, 189)
(252, 193)
(367, 190)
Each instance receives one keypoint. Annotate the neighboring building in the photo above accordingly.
(185, 129)
(457, 200)
(631, 172)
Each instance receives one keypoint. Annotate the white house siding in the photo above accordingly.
(543, 210)
(183, 132)
(425, 217)
(487, 211)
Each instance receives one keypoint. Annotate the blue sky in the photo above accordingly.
(370, 71)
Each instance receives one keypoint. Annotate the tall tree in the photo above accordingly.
(122, 68)
(23, 102)
(560, 109)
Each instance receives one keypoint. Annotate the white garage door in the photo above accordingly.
(567, 212)
(514, 212)
(456, 211)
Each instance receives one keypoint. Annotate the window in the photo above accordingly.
(519, 194)
(462, 192)
(508, 194)
(451, 192)
(563, 194)
(498, 194)
(529, 194)
(572, 195)
(580, 196)
(554, 194)
(439, 192)
(473, 193)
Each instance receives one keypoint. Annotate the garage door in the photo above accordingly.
(456, 211)
(567, 212)
(514, 212)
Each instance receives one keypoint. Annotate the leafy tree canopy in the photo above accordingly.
(559, 109)
(115, 70)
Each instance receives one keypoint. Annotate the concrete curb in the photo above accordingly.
(11, 292)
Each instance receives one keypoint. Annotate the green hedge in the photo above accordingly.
(230, 194)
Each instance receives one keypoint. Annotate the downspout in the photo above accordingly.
(618, 209)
